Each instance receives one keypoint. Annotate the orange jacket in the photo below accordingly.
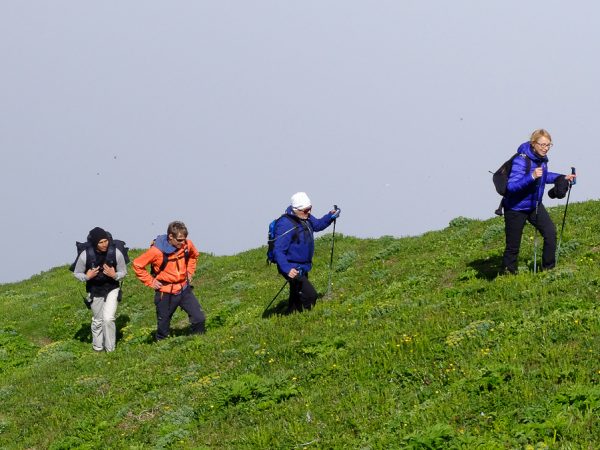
(175, 276)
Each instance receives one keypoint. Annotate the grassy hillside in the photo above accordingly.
(420, 345)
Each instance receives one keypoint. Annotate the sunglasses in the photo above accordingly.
(305, 210)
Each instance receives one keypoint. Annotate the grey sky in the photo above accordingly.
(128, 115)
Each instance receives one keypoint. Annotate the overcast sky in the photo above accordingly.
(130, 114)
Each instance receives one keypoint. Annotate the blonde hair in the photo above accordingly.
(538, 134)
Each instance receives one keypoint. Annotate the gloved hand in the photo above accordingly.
(335, 213)
(561, 186)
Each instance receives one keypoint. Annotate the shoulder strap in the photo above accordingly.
(303, 224)
(306, 224)
(90, 257)
(186, 256)
(295, 221)
(111, 255)
(163, 264)
(527, 162)
(165, 261)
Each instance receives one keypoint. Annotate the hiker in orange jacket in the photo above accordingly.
(172, 259)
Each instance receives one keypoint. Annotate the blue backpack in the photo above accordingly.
(272, 237)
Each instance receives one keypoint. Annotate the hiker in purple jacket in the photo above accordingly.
(523, 200)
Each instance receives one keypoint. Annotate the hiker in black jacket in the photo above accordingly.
(101, 266)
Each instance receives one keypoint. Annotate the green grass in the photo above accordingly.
(420, 345)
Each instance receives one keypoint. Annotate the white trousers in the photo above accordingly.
(104, 330)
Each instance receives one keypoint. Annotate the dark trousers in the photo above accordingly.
(303, 295)
(166, 304)
(514, 222)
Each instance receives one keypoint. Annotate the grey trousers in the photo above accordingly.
(104, 330)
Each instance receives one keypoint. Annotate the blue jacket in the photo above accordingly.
(295, 248)
(522, 191)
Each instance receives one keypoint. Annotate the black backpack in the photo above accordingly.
(500, 176)
(272, 237)
(111, 256)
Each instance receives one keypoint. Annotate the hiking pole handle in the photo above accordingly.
(335, 213)
(573, 172)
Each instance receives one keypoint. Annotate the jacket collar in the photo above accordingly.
(525, 148)
(162, 243)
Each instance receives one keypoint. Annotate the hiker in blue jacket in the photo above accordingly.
(295, 246)
(523, 200)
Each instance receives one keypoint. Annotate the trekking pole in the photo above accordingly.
(562, 228)
(537, 205)
(276, 295)
(535, 249)
(335, 207)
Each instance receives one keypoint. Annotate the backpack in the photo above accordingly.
(91, 254)
(272, 237)
(500, 176)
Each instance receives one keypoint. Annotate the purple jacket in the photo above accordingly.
(522, 191)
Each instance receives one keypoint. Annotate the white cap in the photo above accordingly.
(300, 200)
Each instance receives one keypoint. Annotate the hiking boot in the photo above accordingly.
(509, 271)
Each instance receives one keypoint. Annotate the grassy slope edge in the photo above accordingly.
(420, 345)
